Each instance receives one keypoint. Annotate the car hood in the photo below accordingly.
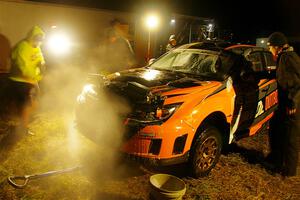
(155, 78)
(146, 90)
(140, 82)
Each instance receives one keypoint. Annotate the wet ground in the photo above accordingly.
(57, 145)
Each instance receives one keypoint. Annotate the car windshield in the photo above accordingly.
(189, 61)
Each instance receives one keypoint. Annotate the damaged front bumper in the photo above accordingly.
(151, 136)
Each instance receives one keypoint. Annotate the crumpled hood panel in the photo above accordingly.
(160, 81)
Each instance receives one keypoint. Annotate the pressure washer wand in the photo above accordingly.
(26, 178)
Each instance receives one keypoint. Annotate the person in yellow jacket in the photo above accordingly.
(27, 58)
(26, 65)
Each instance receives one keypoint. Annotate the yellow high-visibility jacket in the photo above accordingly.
(26, 61)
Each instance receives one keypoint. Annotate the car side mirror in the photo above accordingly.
(152, 60)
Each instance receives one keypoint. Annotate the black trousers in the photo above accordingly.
(17, 95)
(285, 142)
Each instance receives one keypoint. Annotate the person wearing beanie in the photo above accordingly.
(285, 125)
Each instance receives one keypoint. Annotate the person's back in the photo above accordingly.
(289, 87)
(27, 59)
(119, 53)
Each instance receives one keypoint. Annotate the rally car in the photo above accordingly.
(190, 103)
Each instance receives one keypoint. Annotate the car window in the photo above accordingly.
(185, 60)
(193, 62)
(165, 61)
(256, 60)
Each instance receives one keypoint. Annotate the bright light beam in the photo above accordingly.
(152, 21)
(59, 43)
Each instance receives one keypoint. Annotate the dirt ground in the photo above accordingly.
(57, 145)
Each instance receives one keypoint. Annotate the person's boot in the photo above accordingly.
(272, 163)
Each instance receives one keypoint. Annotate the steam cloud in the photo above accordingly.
(63, 82)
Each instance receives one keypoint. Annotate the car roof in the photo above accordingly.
(217, 46)
(206, 45)
(244, 49)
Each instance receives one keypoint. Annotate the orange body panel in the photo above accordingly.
(198, 104)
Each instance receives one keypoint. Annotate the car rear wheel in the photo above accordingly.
(206, 152)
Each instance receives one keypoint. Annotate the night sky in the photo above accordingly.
(247, 19)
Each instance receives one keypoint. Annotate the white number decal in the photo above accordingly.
(260, 108)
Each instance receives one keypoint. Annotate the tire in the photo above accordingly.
(205, 152)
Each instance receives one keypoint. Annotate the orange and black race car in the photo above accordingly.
(192, 102)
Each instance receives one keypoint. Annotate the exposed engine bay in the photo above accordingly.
(143, 103)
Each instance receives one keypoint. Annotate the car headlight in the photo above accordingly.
(87, 91)
(166, 111)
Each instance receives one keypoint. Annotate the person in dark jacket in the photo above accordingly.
(285, 125)
(119, 53)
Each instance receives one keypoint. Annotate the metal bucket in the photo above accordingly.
(165, 186)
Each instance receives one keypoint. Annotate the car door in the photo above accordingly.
(256, 100)
(265, 68)
(247, 94)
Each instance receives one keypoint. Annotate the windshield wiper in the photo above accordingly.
(161, 69)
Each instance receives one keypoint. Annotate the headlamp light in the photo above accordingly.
(166, 111)
(87, 91)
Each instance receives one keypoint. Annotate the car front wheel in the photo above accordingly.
(206, 152)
